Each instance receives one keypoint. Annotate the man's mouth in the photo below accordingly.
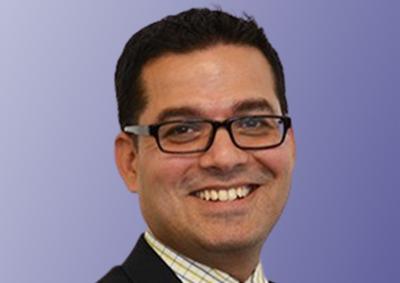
(225, 195)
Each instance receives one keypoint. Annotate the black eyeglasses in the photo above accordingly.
(197, 135)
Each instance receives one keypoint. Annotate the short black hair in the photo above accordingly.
(191, 30)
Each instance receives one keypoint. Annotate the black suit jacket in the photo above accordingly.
(143, 265)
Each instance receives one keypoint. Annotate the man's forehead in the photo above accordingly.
(222, 80)
(206, 67)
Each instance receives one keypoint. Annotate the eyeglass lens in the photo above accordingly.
(248, 132)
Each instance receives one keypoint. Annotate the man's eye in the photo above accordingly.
(253, 123)
(180, 130)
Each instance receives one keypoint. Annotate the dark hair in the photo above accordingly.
(187, 31)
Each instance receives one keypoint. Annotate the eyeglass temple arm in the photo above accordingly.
(288, 122)
(138, 130)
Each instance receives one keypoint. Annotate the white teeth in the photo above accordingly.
(214, 195)
(232, 194)
(207, 195)
(239, 192)
(224, 195)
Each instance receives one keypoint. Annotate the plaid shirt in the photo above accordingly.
(190, 271)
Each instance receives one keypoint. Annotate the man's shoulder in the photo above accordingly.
(116, 274)
(142, 265)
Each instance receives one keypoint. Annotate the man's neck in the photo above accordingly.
(239, 263)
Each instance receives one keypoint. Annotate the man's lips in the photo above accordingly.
(225, 193)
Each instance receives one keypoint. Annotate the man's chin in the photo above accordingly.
(233, 244)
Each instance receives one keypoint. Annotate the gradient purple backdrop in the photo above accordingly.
(65, 215)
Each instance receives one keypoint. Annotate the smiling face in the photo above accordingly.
(215, 83)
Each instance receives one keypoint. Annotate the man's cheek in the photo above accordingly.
(273, 160)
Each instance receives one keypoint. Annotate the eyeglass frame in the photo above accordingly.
(152, 130)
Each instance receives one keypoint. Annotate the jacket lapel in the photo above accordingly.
(144, 265)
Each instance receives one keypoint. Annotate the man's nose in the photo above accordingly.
(223, 153)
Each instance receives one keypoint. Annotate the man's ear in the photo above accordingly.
(126, 159)
(292, 141)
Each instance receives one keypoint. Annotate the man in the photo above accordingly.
(207, 145)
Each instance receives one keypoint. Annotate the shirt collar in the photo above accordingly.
(191, 271)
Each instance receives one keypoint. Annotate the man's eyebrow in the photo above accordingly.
(259, 104)
(175, 112)
(241, 106)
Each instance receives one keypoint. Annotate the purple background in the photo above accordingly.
(65, 215)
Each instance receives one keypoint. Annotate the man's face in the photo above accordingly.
(211, 84)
